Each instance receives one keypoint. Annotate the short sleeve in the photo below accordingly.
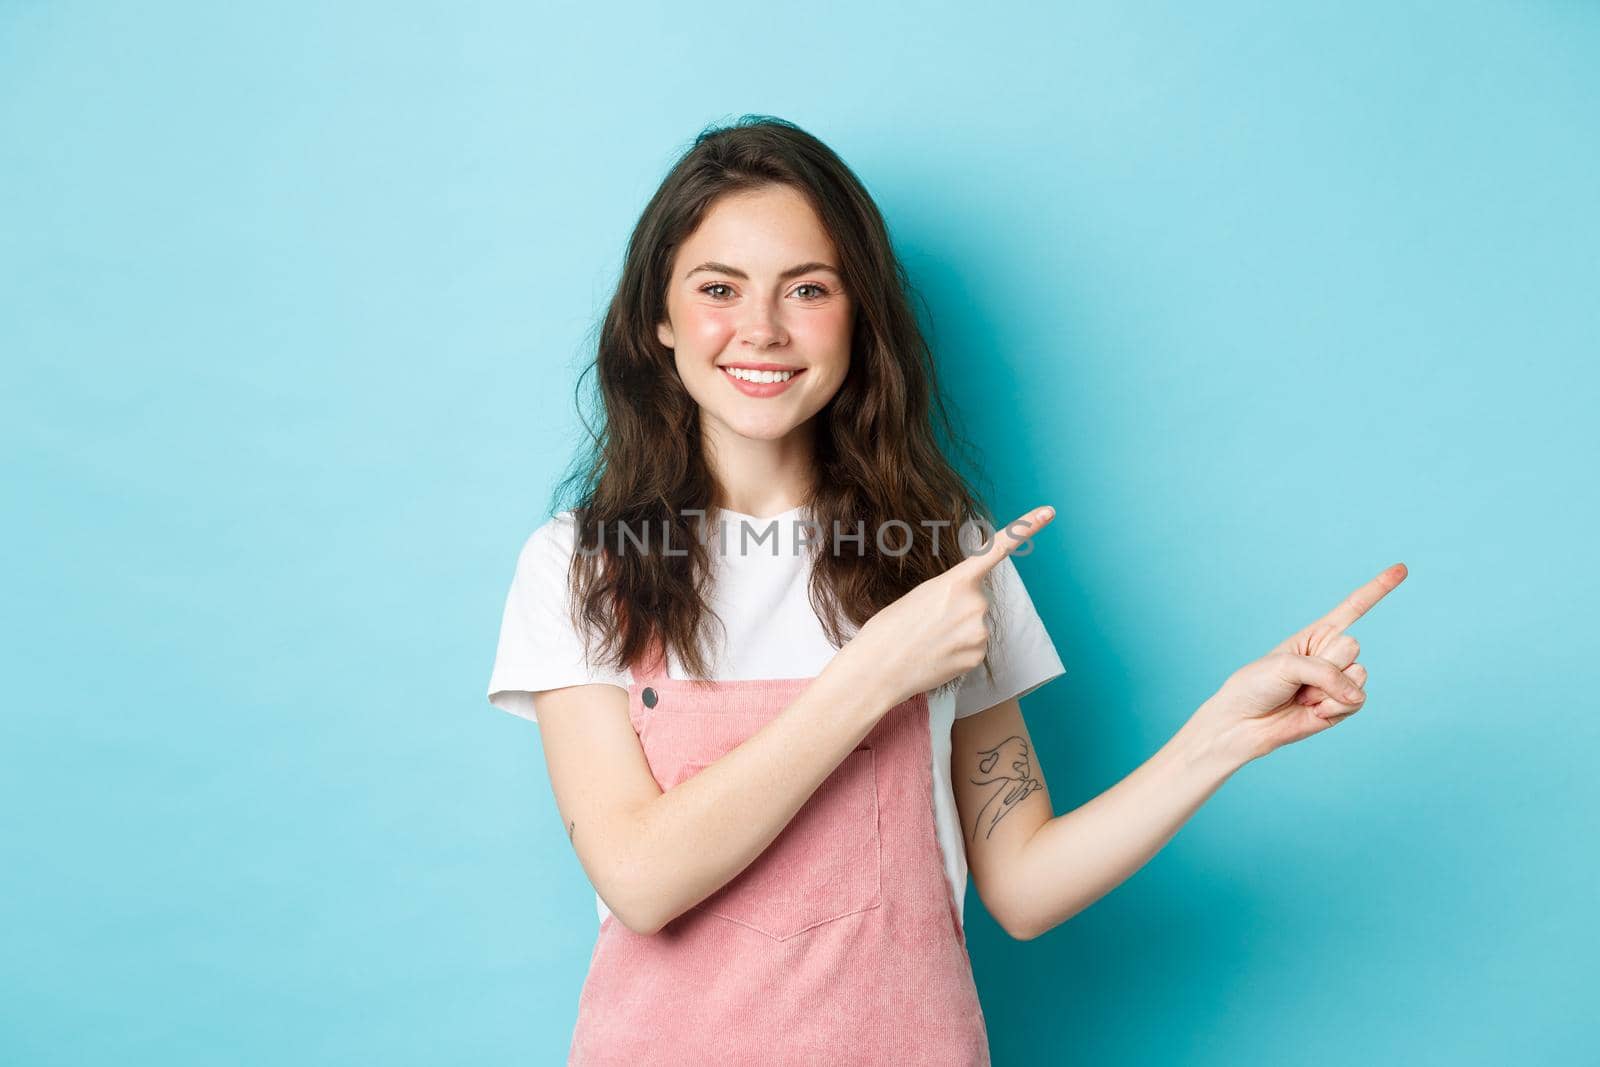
(538, 647)
(1021, 653)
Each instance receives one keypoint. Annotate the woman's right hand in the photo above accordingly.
(938, 630)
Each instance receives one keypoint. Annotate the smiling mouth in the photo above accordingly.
(755, 376)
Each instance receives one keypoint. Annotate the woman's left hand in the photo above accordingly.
(1299, 687)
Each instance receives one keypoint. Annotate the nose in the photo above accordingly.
(761, 328)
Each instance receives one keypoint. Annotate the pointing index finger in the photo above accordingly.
(1007, 540)
(1362, 600)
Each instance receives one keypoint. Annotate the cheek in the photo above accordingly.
(825, 334)
(707, 329)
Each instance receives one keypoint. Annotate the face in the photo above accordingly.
(756, 289)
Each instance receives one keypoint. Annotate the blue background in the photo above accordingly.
(294, 301)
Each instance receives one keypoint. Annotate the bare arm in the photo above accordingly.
(653, 855)
(1033, 871)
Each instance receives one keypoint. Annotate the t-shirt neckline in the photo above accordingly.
(729, 513)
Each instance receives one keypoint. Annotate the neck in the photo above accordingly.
(762, 478)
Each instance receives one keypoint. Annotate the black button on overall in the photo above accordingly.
(649, 697)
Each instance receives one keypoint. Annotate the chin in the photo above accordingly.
(764, 429)
(758, 427)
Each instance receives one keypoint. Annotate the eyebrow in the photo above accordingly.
(792, 272)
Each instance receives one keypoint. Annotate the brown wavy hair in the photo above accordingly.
(880, 442)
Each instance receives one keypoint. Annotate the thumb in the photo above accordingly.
(1322, 673)
(1006, 540)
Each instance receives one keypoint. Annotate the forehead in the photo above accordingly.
(758, 230)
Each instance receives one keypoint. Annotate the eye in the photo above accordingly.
(820, 290)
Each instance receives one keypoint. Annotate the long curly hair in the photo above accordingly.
(880, 443)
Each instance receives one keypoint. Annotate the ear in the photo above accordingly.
(664, 334)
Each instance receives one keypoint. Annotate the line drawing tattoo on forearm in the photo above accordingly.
(1007, 767)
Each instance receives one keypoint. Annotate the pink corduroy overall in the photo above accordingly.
(839, 944)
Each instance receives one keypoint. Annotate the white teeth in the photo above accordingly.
(760, 375)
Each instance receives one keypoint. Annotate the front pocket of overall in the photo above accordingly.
(823, 867)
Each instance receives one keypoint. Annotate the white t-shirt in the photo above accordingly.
(759, 589)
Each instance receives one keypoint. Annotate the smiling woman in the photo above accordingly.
(779, 828)
(749, 744)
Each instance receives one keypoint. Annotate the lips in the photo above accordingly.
(761, 389)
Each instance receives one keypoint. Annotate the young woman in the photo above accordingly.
(776, 648)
